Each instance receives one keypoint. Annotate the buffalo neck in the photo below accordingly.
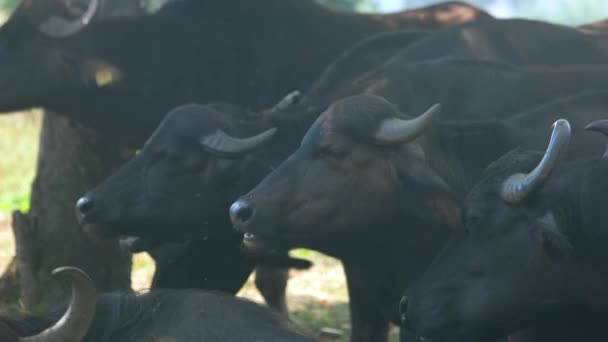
(460, 151)
(247, 53)
(404, 247)
(201, 51)
(574, 193)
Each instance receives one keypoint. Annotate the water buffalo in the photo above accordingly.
(178, 188)
(530, 252)
(202, 157)
(124, 73)
(517, 41)
(215, 182)
(184, 316)
(186, 60)
(159, 194)
(346, 76)
(371, 188)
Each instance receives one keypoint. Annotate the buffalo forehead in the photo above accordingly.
(515, 161)
(357, 116)
(195, 120)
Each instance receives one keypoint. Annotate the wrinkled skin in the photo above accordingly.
(520, 265)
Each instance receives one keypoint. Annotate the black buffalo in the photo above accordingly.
(179, 188)
(191, 202)
(531, 252)
(171, 315)
(380, 192)
(201, 157)
(124, 73)
(351, 73)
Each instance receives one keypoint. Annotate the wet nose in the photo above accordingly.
(84, 205)
(241, 212)
(403, 310)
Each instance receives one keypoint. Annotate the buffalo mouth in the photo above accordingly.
(260, 244)
(103, 231)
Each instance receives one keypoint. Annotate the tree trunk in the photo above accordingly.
(71, 160)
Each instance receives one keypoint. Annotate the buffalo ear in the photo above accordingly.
(424, 190)
(555, 244)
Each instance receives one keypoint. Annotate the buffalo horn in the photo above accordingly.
(288, 101)
(221, 144)
(602, 127)
(518, 186)
(395, 131)
(57, 27)
(74, 324)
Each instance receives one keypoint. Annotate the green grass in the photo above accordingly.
(19, 149)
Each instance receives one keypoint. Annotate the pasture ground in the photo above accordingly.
(317, 297)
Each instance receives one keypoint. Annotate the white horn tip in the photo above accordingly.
(561, 124)
(70, 271)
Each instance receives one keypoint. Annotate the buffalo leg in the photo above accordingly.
(271, 281)
(367, 322)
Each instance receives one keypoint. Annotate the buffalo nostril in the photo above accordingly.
(84, 205)
(403, 309)
(240, 212)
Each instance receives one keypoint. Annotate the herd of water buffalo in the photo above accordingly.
(453, 162)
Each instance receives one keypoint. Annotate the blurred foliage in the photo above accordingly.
(7, 7)
(19, 149)
(568, 12)
(8, 4)
(350, 5)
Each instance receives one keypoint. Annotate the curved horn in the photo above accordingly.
(74, 324)
(224, 145)
(518, 186)
(57, 27)
(397, 131)
(599, 126)
(288, 101)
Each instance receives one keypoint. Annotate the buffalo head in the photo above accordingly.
(185, 176)
(38, 60)
(360, 163)
(508, 264)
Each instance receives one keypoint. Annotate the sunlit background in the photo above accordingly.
(569, 12)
